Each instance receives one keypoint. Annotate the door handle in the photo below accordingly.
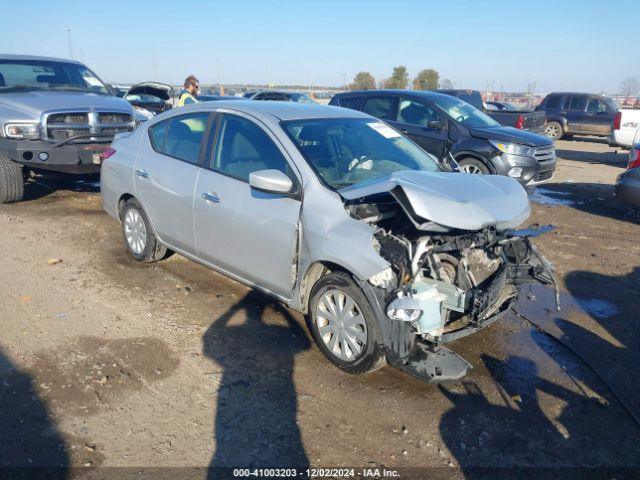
(211, 197)
(142, 173)
(404, 130)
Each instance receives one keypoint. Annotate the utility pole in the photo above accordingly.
(309, 82)
(219, 82)
(69, 41)
(344, 81)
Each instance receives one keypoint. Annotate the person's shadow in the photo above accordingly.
(255, 424)
(30, 444)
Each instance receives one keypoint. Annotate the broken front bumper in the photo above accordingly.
(422, 354)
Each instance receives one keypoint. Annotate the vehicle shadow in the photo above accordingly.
(41, 186)
(30, 444)
(611, 304)
(594, 198)
(255, 343)
(617, 158)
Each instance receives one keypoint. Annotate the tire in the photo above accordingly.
(142, 244)
(365, 336)
(11, 180)
(473, 166)
(554, 130)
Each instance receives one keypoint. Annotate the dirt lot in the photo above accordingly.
(105, 362)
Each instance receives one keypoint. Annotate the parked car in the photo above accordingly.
(442, 124)
(151, 96)
(520, 119)
(283, 96)
(578, 114)
(627, 186)
(626, 122)
(335, 214)
(55, 115)
(215, 98)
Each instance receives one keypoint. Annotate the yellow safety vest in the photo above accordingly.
(184, 97)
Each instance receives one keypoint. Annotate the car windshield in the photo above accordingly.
(346, 151)
(464, 113)
(21, 75)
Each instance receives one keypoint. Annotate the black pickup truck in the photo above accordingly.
(521, 119)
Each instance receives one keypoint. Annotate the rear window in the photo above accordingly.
(350, 102)
(553, 102)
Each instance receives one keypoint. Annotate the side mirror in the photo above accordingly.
(435, 124)
(272, 181)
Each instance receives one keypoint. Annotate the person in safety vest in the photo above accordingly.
(189, 92)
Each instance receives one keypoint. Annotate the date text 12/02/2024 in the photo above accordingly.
(316, 473)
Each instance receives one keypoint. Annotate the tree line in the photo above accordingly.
(427, 79)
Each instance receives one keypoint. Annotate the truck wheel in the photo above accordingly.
(344, 326)
(139, 238)
(553, 130)
(473, 166)
(11, 180)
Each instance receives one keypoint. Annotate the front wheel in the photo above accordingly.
(473, 166)
(344, 326)
(11, 180)
(141, 242)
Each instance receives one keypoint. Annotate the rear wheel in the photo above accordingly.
(11, 180)
(554, 130)
(141, 242)
(344, 326)
(473, 166)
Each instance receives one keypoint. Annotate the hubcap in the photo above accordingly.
(135, 231)
(341, 325)
(471, 168)
(552, 131)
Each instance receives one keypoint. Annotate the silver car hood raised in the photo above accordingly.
(454, 200)
(34, 103)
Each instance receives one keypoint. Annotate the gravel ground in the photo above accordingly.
(105, 362)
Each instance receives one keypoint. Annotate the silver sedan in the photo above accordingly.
(335, 214)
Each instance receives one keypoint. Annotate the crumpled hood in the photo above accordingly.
(512, 135)
(455, 200)
(34, 103)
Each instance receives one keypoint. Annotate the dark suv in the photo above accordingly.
(578, 114)
(442, 124)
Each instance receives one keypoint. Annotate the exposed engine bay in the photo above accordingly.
(443, 282)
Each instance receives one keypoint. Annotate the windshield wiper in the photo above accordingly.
(21, 86)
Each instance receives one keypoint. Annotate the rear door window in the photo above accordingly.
(381, 107)
(350, 102)
(184, 136)
(157, 133)
(578, 103)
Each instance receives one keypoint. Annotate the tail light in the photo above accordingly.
(107, 153)
(616, 120)
(520, 122)
(634, 159)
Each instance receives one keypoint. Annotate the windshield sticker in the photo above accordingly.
(92, 81)
(385, 130)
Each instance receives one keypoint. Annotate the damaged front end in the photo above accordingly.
(443, 283)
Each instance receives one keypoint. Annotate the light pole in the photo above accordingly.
(69, 40)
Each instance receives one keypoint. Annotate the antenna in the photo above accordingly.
(69, 41)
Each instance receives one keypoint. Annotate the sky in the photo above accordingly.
(505, 45)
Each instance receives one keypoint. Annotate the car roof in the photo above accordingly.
(409, 93)
(7, 56)
(578, 93)
(279, 110)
